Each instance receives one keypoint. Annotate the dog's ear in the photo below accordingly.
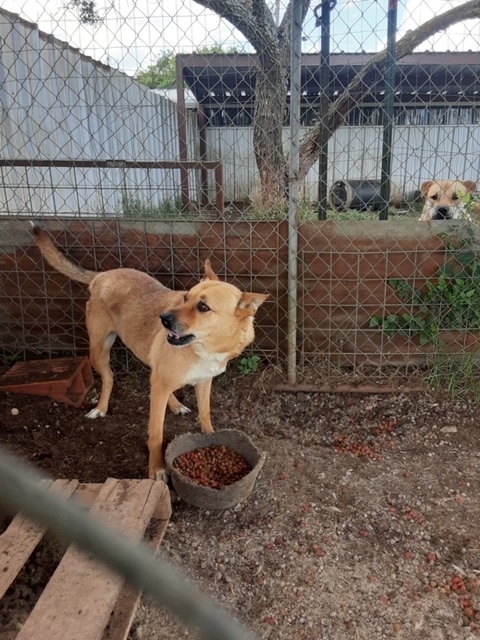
(425, 187)
(209, 273)
(470, 185)
(249, 302)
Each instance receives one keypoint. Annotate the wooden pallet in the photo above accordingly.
(83, 600)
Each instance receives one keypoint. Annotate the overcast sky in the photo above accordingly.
(135, 32)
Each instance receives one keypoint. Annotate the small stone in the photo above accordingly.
(15, 411)
(449, 429)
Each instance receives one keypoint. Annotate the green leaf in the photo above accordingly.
(424, 338)
(448, 270)
(466, 257)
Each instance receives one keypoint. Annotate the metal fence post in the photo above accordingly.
(387, 112)
(323, 21)
(295, 95)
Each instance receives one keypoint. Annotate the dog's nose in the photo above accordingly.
(443, 213)
(167, 319)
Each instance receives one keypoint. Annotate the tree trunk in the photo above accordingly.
(271, 41)
(268, 121)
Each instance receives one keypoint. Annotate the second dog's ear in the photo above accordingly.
(425, 187)
(470, 185)
(209, 273)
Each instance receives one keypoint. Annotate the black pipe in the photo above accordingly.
(363, 195)
(323, 21)
(387, 112)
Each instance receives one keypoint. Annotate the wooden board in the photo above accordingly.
(83, 600)
(22, 536)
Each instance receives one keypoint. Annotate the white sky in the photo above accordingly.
(135, 32)
(463, 36)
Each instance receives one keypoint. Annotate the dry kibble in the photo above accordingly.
(215, 467)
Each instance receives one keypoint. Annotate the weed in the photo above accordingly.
(457, 376)
(135, 208)
(472, 204)
(9, 359)
(451, 302)
(248, 364)
(448, 302)
(308, 212)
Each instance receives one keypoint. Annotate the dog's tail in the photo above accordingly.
(57, 260)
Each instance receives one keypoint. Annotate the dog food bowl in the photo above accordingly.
(205, 497)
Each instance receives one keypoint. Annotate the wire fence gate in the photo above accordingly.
(311, 163)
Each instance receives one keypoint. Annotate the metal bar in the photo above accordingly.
(293, 183)
(387, 113)
(182, 129)
(113, 164)
(364, 389)
(202, 139)
(219, 193)
(324, 23)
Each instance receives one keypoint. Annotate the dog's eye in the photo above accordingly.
(435, 197)
(455, 196)
(202, 307)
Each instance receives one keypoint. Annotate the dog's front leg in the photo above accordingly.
(202, 392)
(158, 405)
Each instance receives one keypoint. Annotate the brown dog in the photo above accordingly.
(185, 338)
(445, 199)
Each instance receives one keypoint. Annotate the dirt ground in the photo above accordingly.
(364, 523)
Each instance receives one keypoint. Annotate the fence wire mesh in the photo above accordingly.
(154, 135)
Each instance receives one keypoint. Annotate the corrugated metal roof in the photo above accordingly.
(48, 37)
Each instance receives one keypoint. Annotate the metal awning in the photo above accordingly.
(230, 78)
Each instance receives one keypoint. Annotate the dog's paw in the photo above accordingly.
(182, 410)
(161, 476)
(95, 413)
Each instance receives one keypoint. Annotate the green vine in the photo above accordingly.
(450, 302)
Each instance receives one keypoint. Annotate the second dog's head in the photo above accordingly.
(215, 315)
(445, 199)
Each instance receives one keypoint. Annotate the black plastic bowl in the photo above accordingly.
(205, 497)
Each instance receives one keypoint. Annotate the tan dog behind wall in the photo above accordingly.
(185, 338)
(445, 199)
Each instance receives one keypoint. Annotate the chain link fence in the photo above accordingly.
(155, 135)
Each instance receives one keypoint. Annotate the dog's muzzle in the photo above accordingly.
(442, 213)
(175, 336)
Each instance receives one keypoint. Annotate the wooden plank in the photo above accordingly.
(78, 600)
(86, 493)
(22, 536)
(129, 598)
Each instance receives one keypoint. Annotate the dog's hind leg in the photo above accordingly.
(102, 337)
(176, 406)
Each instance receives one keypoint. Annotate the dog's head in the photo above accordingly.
(214, 314)
(445, 199)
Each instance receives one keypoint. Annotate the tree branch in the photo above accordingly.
(358, 87)
(252, 18)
